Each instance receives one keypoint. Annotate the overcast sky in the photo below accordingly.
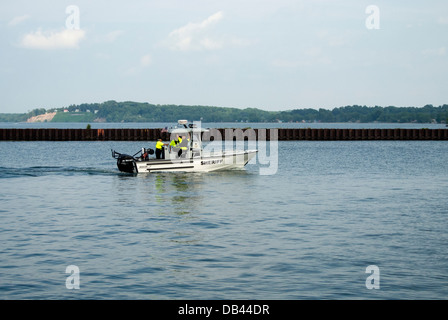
(272, 55)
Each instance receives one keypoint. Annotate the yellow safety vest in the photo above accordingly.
(174, 144)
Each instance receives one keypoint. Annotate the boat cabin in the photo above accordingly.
(192, 147)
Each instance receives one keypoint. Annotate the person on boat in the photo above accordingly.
(174, 144)
(159, 149)
(183, 146)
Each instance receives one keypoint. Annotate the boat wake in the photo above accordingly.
(39, 171)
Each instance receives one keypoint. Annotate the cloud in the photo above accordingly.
(196, 36)
(65, 39)
(18, 20)
(145, 61)
(200, 36)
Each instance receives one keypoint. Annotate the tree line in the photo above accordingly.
(128, 111)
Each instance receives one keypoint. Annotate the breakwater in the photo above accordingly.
(52, 134)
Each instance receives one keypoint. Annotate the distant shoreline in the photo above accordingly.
(47, 117)
(137, 112)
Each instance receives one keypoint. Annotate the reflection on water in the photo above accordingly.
(168, 193)
(181, 190)
(168, 206)
(172, 201)
(177, 193)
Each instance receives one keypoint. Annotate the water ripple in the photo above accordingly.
(307, 232)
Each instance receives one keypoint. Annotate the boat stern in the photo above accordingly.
(125, 162)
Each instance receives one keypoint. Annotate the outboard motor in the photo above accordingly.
(125, 162)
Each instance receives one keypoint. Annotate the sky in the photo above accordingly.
(272, 55)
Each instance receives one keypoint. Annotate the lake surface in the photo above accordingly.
(308, 231)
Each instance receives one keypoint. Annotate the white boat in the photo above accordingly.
(192, 159)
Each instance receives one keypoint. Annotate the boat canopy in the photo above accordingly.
(184, 127)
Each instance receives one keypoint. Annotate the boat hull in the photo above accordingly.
(224, 161)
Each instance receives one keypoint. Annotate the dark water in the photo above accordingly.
(309, 231)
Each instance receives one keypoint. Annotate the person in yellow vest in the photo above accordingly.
(159, 149)
(174, 144)
(183, 145)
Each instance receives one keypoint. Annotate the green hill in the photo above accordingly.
(129, 111)
(73, 117)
